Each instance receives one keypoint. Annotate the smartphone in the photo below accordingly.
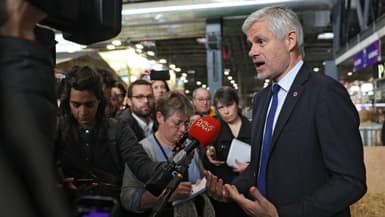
(160, 75)
(95, 206)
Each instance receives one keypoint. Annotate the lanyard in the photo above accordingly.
(161, 148)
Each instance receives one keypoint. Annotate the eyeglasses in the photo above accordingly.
(178, 124)
(202, 99)
(142, 97)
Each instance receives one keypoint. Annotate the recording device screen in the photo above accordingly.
(95, 206)
(96, 213)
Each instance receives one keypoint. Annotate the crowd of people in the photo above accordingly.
(306, 156)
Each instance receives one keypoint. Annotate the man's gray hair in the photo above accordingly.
(280, 21)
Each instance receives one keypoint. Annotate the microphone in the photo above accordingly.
(201, 133)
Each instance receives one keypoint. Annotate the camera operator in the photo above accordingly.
(28, 119)
(27, 94)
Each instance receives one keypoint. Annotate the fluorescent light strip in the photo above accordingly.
(175, 8)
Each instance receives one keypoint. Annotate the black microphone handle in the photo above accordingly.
(191, 144)
(158, 181)
(172, 185)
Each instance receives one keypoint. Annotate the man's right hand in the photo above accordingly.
(215, 188)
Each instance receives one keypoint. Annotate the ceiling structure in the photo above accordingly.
(175, 31)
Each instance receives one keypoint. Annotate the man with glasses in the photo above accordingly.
(202, 102)
(140, 99)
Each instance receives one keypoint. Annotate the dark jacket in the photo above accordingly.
(127, 117)
(111, 145)
(27, 119)
(222, 146)
(316, 163)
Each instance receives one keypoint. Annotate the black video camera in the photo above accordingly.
(83, 21)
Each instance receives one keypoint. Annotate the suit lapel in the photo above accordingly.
(259, 117)
(291, 100)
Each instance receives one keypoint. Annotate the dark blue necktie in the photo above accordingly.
(264, 156)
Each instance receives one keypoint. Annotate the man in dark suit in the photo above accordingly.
(311, 164)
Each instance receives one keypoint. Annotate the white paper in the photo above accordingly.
(238, 150)
(196, 190)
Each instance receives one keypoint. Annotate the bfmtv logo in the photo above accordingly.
(204, 125)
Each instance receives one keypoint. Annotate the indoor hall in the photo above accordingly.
(200, 44)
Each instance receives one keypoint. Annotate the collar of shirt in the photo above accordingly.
(287, 80)
(285, 84)
(147, 128)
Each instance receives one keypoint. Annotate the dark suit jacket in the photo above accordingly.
(316, 164)
(127, 117)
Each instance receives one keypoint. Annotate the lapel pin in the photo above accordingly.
(295, 93)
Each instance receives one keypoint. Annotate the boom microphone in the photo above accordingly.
(201, 133)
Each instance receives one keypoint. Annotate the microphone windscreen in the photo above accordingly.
(204, 130)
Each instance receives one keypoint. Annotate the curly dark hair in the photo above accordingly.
(83, 78)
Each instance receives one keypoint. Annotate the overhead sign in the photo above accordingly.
(368, 56)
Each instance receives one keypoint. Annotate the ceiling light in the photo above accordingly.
(116, 42)
(226, 72)
(187, 91)
(139, 46)
(325, 36)
(204, 85)
(163, 61)
(177, 69)
(201, 40)
(199, 83)
(172, 66)
(350, 73)
(150, 53)
(230, 78)
(110, 47)
(184, 74)
(316, 69)
(189, 7)
(232, 81)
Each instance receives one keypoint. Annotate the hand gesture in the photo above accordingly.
(260, 207)
(215, 187)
